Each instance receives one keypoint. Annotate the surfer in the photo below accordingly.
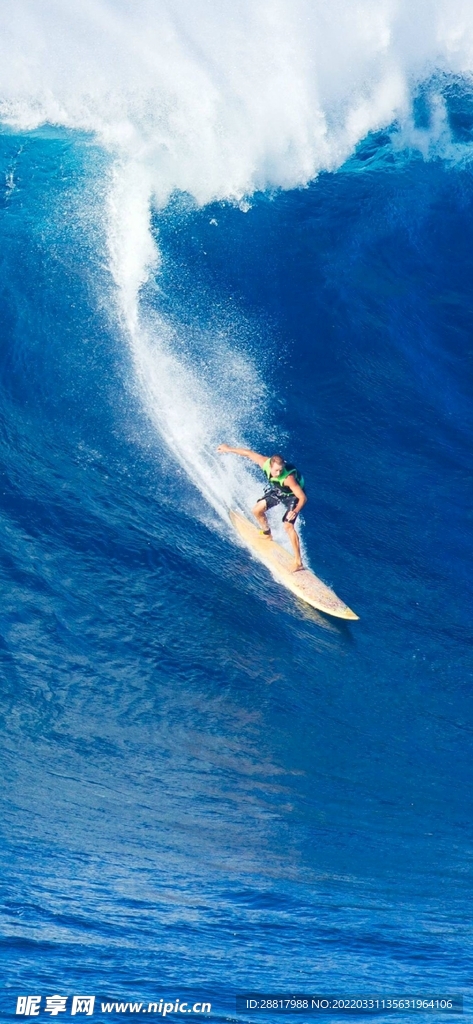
(285, 487)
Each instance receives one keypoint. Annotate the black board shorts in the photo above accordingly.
(273, 496)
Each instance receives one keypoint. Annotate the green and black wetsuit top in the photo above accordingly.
(277, 482)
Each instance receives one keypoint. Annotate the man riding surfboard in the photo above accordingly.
(285, 487)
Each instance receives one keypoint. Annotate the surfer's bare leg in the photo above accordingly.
(259, 512)
(295, 544)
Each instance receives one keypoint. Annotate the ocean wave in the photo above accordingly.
(216, 102)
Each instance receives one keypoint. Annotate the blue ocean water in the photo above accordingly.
(209, 788)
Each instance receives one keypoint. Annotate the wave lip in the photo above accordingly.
(219, 100)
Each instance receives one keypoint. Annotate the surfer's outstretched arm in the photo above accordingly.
(245, 452)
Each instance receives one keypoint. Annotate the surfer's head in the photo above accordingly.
(276, 465)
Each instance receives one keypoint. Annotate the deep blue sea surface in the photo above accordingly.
(209, 788)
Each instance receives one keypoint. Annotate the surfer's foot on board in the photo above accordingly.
(266, 534)
(296, 567)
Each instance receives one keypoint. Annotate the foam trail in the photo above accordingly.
(193, 410)
(190, 417)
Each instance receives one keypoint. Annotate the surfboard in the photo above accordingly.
(304, 583)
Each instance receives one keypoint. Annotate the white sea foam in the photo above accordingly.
(217, 99)
(220, 98)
